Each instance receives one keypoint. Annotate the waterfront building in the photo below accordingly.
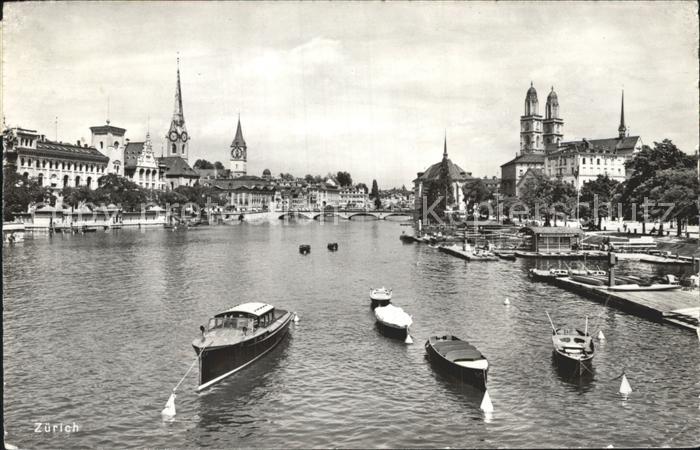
(552, 239)
(529, 173)
(513, 171)
(290, 196)
(54, 164)
(177, 171)
(325, 193)
(239, 153)
(246, 193)
(353, 197)
(493, 184)
(458, 177)
(578, 162)
(142, 166)
(109, 140)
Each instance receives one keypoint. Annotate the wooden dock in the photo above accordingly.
(654, 259)
(456, 250)
(678, 307)
(582, 254)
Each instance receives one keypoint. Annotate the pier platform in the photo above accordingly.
(677, 307)
(456, 250)
(654, 259)
(583, 254)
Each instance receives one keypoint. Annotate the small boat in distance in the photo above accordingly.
(236, 338)
(333, 246)
(380, 296)
(393, 322)
(407, 238)
(505, 254)
(573, 349)
(305, 249)
(546, 274)
(458, 358)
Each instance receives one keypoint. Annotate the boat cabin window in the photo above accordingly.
(266, 319)
(565, 339)
(232, 320)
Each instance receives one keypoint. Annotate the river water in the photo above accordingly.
(98, 330)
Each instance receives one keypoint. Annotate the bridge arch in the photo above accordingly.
(364, 214)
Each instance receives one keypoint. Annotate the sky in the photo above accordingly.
(370, 88)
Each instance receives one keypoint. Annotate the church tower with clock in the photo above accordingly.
(239, 153)
(177, 138)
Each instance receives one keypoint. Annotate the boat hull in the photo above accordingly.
(217, 363)
(572, 366)
(474, 377)
(392, 331)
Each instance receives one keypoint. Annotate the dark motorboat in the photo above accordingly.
(459, 358)
(304, 249)
(333, 246)
(393, 322)
(407, 238)
(236, 338)
(380, 296)
(507, 255)
(573, 349)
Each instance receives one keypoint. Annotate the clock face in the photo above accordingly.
(236, 153)
(173, 135)
(183, 136)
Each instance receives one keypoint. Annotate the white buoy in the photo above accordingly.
(625, 388)
(486, 405)
(600, 336)
(610, 446)
(169, 410)
(506, 301)
(409, 339)
(296, 318)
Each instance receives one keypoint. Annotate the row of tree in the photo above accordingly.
(19, 193)
(663, 186)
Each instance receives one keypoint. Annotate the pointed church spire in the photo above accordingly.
(444, 151)
(178, 114)
(622, 129)
(238, 141)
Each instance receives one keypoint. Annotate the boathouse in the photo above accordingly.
(552, 239)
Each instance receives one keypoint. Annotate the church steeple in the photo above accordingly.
(444, 151)
(622, 129)
(239, 153)
(238, 140)
(553, 124)
(178, 140)
(531, 124)
(178, 113)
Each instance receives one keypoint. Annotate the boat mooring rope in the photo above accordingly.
(169, 410)
(201, 352)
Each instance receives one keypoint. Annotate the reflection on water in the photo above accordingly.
(97, 330)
